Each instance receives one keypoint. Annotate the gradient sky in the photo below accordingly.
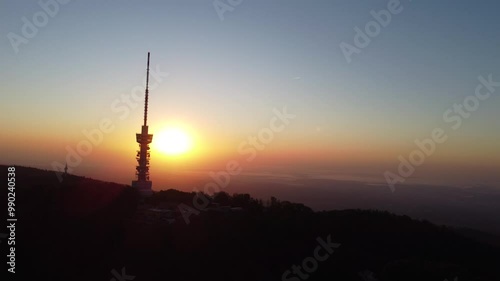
(225, 78)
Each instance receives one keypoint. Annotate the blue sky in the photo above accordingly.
(225, 77)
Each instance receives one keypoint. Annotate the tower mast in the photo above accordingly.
(143, 184)
(147, 96)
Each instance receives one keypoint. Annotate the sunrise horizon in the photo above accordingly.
(251, 140)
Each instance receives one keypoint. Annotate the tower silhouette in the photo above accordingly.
(143, 184)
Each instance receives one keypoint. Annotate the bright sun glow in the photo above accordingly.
(172, 141)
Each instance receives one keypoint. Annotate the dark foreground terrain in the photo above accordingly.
(83, 229)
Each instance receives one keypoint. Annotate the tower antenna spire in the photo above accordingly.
(147, 96)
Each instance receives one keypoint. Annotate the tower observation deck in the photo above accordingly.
(143, 184)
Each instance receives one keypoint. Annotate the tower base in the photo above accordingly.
(144, 187)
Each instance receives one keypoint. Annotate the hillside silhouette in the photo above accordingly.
(82, 229)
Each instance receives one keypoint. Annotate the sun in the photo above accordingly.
(172, 141)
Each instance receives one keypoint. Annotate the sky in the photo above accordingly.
(222, 69)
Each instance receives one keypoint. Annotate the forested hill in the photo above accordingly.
(84, 229)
